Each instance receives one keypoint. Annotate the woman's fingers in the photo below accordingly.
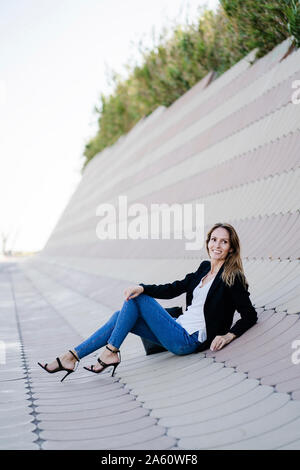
(127, 292)
(132, 292)
(217, 343)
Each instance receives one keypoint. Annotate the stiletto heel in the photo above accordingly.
(60, 367)
(104, 365)
(69, 372)
(113, 372)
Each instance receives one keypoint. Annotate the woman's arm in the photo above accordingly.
(167, 291)
(170, 290)
(240, 298)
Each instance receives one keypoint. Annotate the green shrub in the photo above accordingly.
(263, 23)
(216, 41)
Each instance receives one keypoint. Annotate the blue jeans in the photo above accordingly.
(145, 317)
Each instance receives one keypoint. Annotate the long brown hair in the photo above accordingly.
(233, 265)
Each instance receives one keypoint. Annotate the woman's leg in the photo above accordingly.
(98, 339)
(145, 317)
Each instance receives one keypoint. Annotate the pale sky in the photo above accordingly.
(53, 68)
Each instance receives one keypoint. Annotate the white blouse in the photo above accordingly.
(193, 318)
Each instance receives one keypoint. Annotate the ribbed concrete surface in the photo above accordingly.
(204, 401)
(39, 412)
(233, 144)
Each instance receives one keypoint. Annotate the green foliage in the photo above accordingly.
(215, 42)
(263, 23)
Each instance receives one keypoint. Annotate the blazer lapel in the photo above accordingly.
(216, 282)
(198, 278)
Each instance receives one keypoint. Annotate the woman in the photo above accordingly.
(213, 293)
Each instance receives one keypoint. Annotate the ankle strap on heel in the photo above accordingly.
(112, 350)
(77, 358)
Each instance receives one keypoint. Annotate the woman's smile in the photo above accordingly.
(219, 244)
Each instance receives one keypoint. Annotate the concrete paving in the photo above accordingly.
(151, 403)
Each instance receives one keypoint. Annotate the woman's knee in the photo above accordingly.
(139, 300)
(144, 299)
(144, 303)
(132, 304)
(141, 297)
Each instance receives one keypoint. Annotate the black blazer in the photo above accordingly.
(220, 304)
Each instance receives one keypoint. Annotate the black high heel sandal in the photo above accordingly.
(60, 367)
(104, 365)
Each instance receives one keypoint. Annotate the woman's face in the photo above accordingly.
(219, 244)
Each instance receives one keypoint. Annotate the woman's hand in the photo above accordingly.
(220, 341)
(132, 292)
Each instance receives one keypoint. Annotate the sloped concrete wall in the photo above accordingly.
(232, 144)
